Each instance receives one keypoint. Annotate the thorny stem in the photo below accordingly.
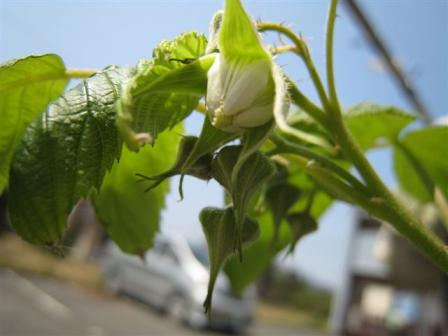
(393, 212)
(284, 146)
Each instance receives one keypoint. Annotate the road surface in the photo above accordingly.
(38, 306)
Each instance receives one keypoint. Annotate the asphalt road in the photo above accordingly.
(38, 306)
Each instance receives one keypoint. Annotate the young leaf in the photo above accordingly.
(63, 155)
(210, 139)
(280, 198)
(255, 170)
(165, 90)
(421, 162)
(219, 227)
(27, 86)
(261, 254)
(301, 224)
(130, 215)
(201, 168)
(370, 123)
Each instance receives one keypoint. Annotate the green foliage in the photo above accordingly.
(130, 215)
(164, 90)
(27, 85)
(371, 123)
(220, 230)
(421, 162)
(280, 198)
(64, 155)
(201, 168)
(242, 184)
(67, 153)
(262, 253)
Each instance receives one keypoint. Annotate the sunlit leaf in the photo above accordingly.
(27, 86)
(164, 90)
(64, 155)
(131, 216)
(421, 162)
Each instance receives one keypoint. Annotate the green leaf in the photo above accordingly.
(210, 139)
(421, 162)
(280, 198)
(261, 254)
(131, 216)
(238, 36)
(64, 155)
(258, 256)
(165, 90)
(301, 224)
(220, 228)
(255, 170)
(372, 124)
(201, 168)
(27, 85)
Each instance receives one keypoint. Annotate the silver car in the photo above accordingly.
(173, 277)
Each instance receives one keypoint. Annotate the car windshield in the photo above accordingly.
(201, 254)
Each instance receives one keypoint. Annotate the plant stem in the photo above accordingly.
(329, 47)
(284, 146)
(303, 52)
(304, 103)
(80, 73)
(391, 210)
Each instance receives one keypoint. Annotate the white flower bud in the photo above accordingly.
(240, 94)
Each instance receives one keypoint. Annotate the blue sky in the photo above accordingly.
(95, 34)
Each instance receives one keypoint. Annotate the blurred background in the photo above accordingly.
(351, 276)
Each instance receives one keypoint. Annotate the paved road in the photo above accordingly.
(37, 306)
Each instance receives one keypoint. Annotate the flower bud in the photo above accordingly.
(240, 94)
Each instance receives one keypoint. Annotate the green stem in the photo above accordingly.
(80, 73)
(329, 46)
(284, 146)
(304, 103)
(390, 209)
(303, 52)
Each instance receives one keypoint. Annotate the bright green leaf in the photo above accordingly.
(220, 231)
(64, 155)
(421, 162)
(372, 124)
(164, 90)
(27, 86)
(130, 215)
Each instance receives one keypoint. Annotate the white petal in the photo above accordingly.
(215, 92)
(254, 116)
(243, 83)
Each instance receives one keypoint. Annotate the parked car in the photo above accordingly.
(173, 277)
